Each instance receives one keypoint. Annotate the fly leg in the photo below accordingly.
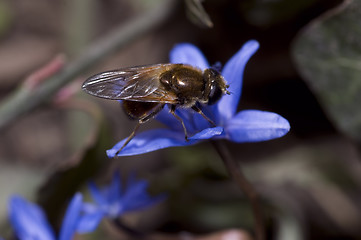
(198, 110)
(131, 136)
(172, 111)
(142, 120)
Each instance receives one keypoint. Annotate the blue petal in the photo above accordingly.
(200, 122)
(136, 196)
(143, 202)
(208, 133)
(254, 126)
(96, 194)
(131, 180)
(135, 187)
(114, 188)
(233, 74)
(89, 221)
(89, 208)
(136, 192)
(168, 119)
(28, 220)
(193, 121)
(149, 141)
(71, 218)
(188, 54)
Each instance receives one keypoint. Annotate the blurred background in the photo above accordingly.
(307, 70)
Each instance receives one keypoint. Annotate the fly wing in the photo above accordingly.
(133, 84)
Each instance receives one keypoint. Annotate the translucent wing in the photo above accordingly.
(133, 84)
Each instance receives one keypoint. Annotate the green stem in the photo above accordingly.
(24, 100)
(237, 175)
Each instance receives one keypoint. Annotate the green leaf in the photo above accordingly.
(328, 56)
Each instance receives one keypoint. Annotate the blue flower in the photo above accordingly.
(244, 126)
(30, 223)
(112, 201)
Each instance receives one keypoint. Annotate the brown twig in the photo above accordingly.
(237, 175)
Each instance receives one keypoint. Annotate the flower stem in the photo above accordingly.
(237, 175)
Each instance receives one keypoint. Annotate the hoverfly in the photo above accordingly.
(144, 90)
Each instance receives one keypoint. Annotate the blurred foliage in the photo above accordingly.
(17, 179)
(328, 53)
(268, 13)
(79, 21)
(289, 228)
(6, 17)
(197, 14)
(202, 196)
(91, 133)
(146, 4)
(301, 187)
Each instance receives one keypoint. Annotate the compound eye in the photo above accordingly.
(215, 94)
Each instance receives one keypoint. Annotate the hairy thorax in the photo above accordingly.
(186, 83)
